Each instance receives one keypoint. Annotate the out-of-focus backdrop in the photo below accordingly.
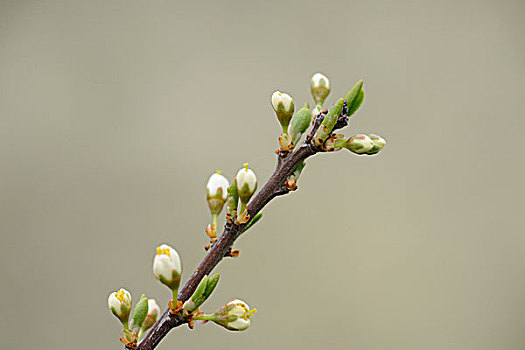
(114, 113)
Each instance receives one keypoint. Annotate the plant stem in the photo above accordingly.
(214, 222)
(272, 188)
(205, 318)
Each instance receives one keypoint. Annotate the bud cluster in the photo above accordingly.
(142, 318)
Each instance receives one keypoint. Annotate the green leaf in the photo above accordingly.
(140, 312)
(200, 290)
(234, 196)
(328, 123)
(253, 221)
(210, 286)
(354, 97)
(300, 122)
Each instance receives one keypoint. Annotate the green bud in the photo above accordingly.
(283, 106)
(379, 143)
(328, 123)
(320, 88)
(300, 122)
(140, 312)
(354, 97)
(233, 199)
(359, 144)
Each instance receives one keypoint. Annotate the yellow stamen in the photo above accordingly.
(246, 166)
(250, 313)
(120, 295)
(219, 172)
(165, 251)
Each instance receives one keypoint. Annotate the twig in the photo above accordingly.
(271, 189)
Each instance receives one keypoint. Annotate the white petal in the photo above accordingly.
(153, 308)
(215, 182)
(246, 176)
(239, 324)
(319, 79)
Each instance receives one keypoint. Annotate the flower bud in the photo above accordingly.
(320, 87)
(246, 184)
(153, 313)
(379, 143)
(234, 316)
(167, 266)
(283, 106)
(359, 144)
(216, 192)
(119, 303)
(300, 122)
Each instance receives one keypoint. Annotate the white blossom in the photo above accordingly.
(167, 266)
(119, 303)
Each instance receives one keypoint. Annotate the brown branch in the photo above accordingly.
(271, 189)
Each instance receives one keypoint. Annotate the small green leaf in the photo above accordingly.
(328, 123)
(300, 122)
(233, 196)
(210, 286)
(200, 289)
(253, 221)
(354, 97)
(140, 312)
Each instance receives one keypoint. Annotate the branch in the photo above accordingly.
(271, 189)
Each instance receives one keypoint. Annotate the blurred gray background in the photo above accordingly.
(114, 113)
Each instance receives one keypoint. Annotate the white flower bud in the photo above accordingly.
(217, 192)
(320, 87)
(235, 315)
(246, 183)
(167, 266)
(283, 106)
(153, 313)
(119, 303)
